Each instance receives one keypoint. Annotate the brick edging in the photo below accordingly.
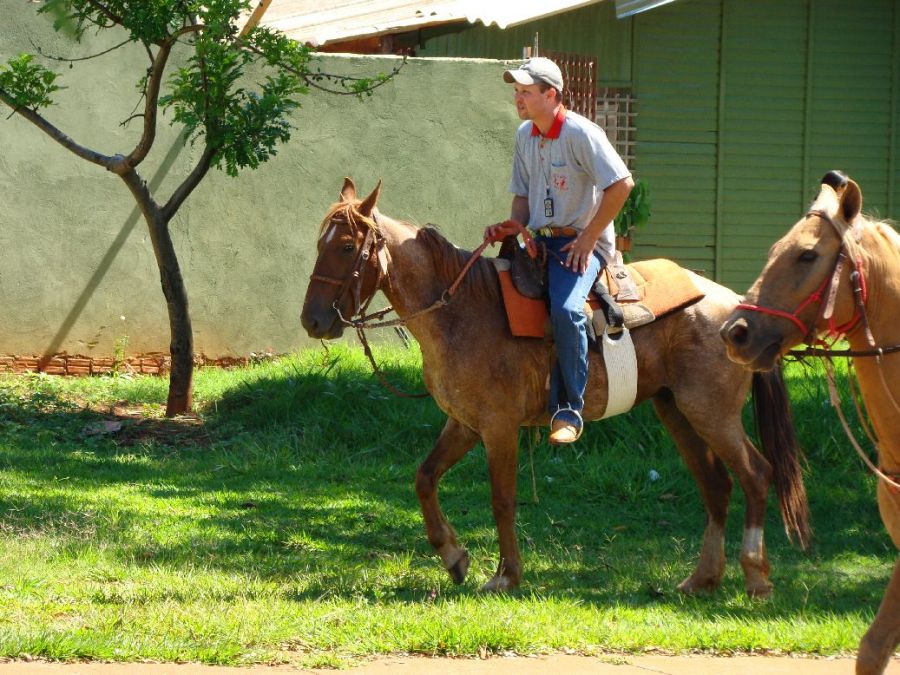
(154, 363)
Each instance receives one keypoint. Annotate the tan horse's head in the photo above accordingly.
(805, 287)
(349, 264)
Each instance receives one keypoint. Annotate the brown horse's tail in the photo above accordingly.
(776, 431)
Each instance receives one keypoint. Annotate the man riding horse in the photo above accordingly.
(568, 184)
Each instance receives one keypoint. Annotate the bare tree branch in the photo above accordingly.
(187, 186)
(81, 58)
(310, 78)
(109, 163)
(151, 92)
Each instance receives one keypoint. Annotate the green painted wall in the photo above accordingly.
(74, 256)
(815, 95)
(676, 82)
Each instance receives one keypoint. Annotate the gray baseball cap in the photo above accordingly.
(534, 70)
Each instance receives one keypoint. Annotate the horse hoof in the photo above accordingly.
(691, 586)
(760, 591)
(459, 569)
(499, 584)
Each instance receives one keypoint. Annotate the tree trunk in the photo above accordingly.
(181, 345)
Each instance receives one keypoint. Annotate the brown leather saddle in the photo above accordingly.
(625, 295)
(529, 276)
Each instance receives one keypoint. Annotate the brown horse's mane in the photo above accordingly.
(449, 260)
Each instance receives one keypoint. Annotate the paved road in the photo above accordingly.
(543, 665)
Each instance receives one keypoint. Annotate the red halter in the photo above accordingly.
(827, 290)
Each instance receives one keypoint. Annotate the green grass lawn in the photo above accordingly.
(283, 527)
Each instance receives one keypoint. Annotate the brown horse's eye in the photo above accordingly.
(808, 256)
(349, 247)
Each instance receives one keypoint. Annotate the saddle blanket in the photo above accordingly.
(663, 288)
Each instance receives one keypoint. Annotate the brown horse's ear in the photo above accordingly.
(851, 202)
(368, 204)
(348, 192)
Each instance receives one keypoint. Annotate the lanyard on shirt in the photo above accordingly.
(547, 171)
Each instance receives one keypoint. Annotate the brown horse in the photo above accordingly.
(831, 255)
(490, 384)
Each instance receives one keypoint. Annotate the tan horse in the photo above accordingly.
(490, 384)
(804, 265)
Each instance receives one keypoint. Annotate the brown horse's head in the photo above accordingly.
(805, 286)
(349, 266)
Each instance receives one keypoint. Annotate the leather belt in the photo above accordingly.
(557, 232)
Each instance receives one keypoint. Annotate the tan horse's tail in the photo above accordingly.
(776, 431)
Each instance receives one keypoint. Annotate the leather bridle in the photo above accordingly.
(372, 248)
(825, 295)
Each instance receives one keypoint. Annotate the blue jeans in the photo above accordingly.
(568, 291)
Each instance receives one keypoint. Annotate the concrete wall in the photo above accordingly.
(75, 257)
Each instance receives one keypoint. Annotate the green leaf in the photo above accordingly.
(28, 84)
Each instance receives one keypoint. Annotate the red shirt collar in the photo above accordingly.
(555, 128)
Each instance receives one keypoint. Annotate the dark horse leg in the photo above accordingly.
(502, 447)
(454, 442)
(883, 635)
(715, 488)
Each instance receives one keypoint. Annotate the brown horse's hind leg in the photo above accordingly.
(724, 435)
(883, 635)
(502, 452)
(454, 442)
(715, 489)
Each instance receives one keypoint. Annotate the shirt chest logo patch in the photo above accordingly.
(560, 182)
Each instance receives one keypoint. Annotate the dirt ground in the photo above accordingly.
(540, 665)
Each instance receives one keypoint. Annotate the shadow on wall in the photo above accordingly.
(109, 257)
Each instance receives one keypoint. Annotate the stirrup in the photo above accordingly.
(577, 414)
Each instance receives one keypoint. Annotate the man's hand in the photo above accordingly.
(580, 250)
(499, 232)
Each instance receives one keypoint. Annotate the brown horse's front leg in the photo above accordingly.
(883, 635)
(502, 450)
(454, 442)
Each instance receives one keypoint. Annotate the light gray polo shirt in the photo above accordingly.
(572, 169)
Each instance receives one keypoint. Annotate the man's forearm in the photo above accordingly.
(519, 210)
(613, 199)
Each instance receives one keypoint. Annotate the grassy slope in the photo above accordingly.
(287, 529)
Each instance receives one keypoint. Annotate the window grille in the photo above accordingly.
(580, 81)
(611, 108)
(616, 116)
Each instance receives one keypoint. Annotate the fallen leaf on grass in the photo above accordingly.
(102, 427)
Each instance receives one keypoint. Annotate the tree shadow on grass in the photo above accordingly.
(299, 469)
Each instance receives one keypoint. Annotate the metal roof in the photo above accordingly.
(318, 22)
(629, 7)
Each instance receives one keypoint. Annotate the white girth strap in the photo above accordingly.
(621, 373)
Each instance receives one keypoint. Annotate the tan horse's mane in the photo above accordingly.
(884, 228)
